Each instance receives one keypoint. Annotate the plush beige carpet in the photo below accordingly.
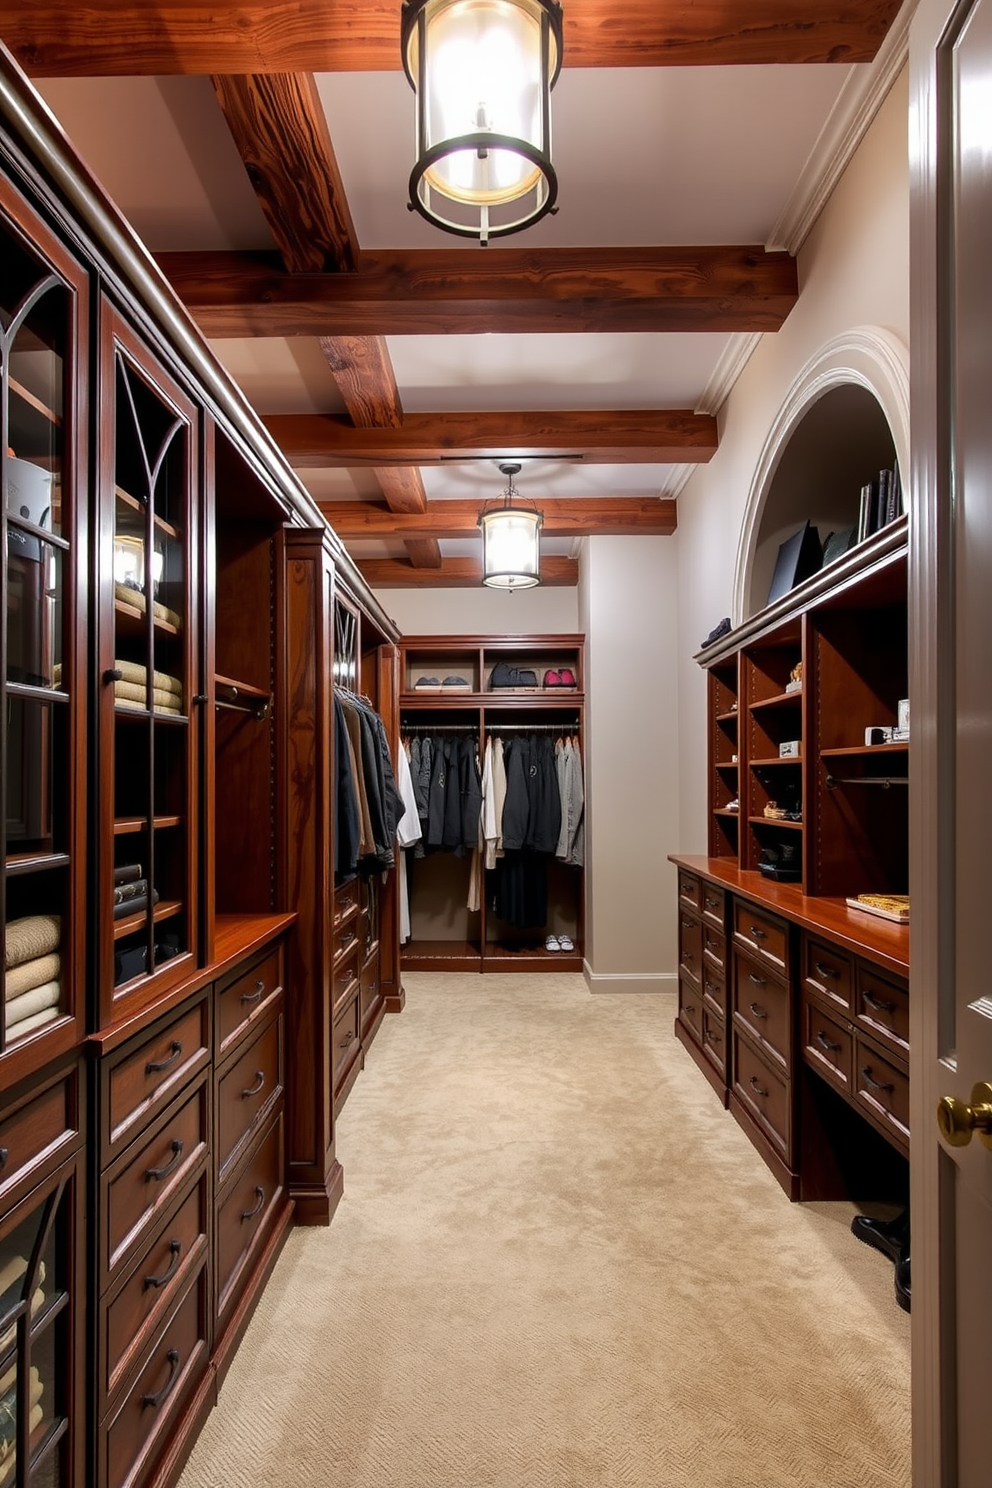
(559, 1263)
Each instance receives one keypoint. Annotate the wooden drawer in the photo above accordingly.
(761, 1004)
(346, 900)
(883, 1091)
(715, 990)
(145, 1080)
(242, 1217)
(713, 905)
(138, 1429)
(141, 1182)
(689, 889)
(881, 1006)
(828, 971)
(345, 941)
(345, 983)
(34, 1133)
(827, 1046)
(246, 995)
(161, 1273)
(714, 1039)
(768, 937)
(690, 946)
(345, 1043)
(714, 946)
(245, 1092)
(691, 1007)
(371, 988)
(763, 1092)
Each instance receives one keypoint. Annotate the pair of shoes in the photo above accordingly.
(455, 682)
(427, 682)
(564, 678)
(505, 675)
(559, 943)
(890, 1236)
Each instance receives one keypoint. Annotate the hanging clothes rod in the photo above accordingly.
(438, 728)
(532, 728)
(883, 780)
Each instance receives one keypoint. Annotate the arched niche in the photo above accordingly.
(846, 417)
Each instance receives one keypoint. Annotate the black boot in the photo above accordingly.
(890, 1236)
(903, 1287)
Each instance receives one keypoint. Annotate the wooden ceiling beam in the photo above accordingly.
(455, 573)
(104, 38)
(580, 516)
(279, 127)
(638, 437)
(439, 291)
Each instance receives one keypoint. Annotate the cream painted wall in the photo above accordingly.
(482, 611)
(628, 603)
(853, 271)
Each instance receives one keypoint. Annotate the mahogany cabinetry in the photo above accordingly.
(793, 1003)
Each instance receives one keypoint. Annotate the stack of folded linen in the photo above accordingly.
(135, 600)
(131, 688)
(32, 990)
(130, 891)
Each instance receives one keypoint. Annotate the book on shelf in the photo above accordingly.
(885, 906)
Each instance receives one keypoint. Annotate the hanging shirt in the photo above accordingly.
(407, 833)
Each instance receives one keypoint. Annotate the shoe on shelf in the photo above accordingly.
(566, 677)
(552, 679)
(426, 682)
(455, 682)
(565, 943)
(552, 943)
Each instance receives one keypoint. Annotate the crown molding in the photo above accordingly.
(732, 361)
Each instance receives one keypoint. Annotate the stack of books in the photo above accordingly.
(881, 503)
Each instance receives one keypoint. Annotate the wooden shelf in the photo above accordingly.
(43, 534)
(775, 821)
(728, 765)
(33, 402)
(139, 621)
(722, 811)
(161, 525)
(764, 764)
(36, 694)
(35, 862)
(165, 910)
(730, 717)
(780, 700)
(124, 826)
(440, 955)
(865, 751)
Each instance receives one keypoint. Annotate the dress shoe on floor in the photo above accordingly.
(903, 1285)
(890, 1236)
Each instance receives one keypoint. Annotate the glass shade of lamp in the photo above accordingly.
(129, 562)
(482, 72)
(511, 541)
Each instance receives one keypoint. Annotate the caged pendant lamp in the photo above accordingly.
(511, 539)
(482, 72)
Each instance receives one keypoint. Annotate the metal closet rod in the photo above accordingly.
(883, 780)
(531, 728)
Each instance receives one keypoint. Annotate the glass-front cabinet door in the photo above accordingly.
(43, 316)
(149, 722)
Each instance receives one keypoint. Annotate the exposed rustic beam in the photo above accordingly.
(638, 437)
(434, 291)
(424, 552)
(402, 487)
(279, 127)
(580, 516)
(106, 38)
(455, 573)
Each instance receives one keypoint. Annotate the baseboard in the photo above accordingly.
(632, 981)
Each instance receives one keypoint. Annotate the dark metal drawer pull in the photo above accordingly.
(878, 1003)
(156, 1066)
(712, 987)
(758, 981)
(825, 1043)
(254, 1089)
(759, 934)
(711, 903)
(156, 1400)
(758, 1012)
(688, 956)
(826, 971)
(690, 1007)
(159, 1173)
(175, 1250)
(709, 1037)
(874, 1084)
(250, 1213)
(347, 1038)
(4, 1154)
(688, 924)
(255, 996)
(759, 1088)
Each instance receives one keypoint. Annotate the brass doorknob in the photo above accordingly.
(958, 1122)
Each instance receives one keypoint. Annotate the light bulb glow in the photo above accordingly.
(511, 547)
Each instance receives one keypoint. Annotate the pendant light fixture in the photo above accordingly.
(511, 539)
(482, 72)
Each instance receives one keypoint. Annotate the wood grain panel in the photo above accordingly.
(578, 516)
(455, 573)
(431, 291)
(193, 36)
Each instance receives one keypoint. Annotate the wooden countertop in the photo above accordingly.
(881, 941)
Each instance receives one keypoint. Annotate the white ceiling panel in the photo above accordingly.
(481, 479)
(281, 375)
(341, 485)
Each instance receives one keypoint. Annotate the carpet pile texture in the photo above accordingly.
(559, 1263)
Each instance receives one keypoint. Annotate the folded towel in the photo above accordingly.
(28, 1025)
(135, 600)
(131, 671)
(133, 693)
(31, 974)
(127, 873)
(38, 1000)
(31, 937)
(134, 906)
(136, 889)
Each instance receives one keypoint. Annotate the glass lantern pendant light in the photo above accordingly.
(511, 540)
(482, 72)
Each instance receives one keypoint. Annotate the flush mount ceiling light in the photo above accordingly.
(482, 72)
(511, 539)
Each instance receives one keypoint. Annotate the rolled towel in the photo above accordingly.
(131, 692)
(135, 600)
(127, 873)
(31, 974)
(31, 937)
(131, 671)
(29, 1003)
(28, 1025)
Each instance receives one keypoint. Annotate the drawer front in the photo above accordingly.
(715, 990)
(144, 1082)
(346, 939)
(827, 1047)
(345, 983)
(882, 1007)
(883, 1090)
(689, 889)
(35, 1131)
(245, 1092)
(829, 972)
(346, 899)
(713, 905)
(138, 1428)
(767, 937)
(714, 946)
(245, 996)
(691, 1007)
(714, 1039)
(761, 1003)
(344, 1042)
(764, 1093)
(141, 1184)
(371, 988)
(241, 1219)
(159, 1276)
(690, 946)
